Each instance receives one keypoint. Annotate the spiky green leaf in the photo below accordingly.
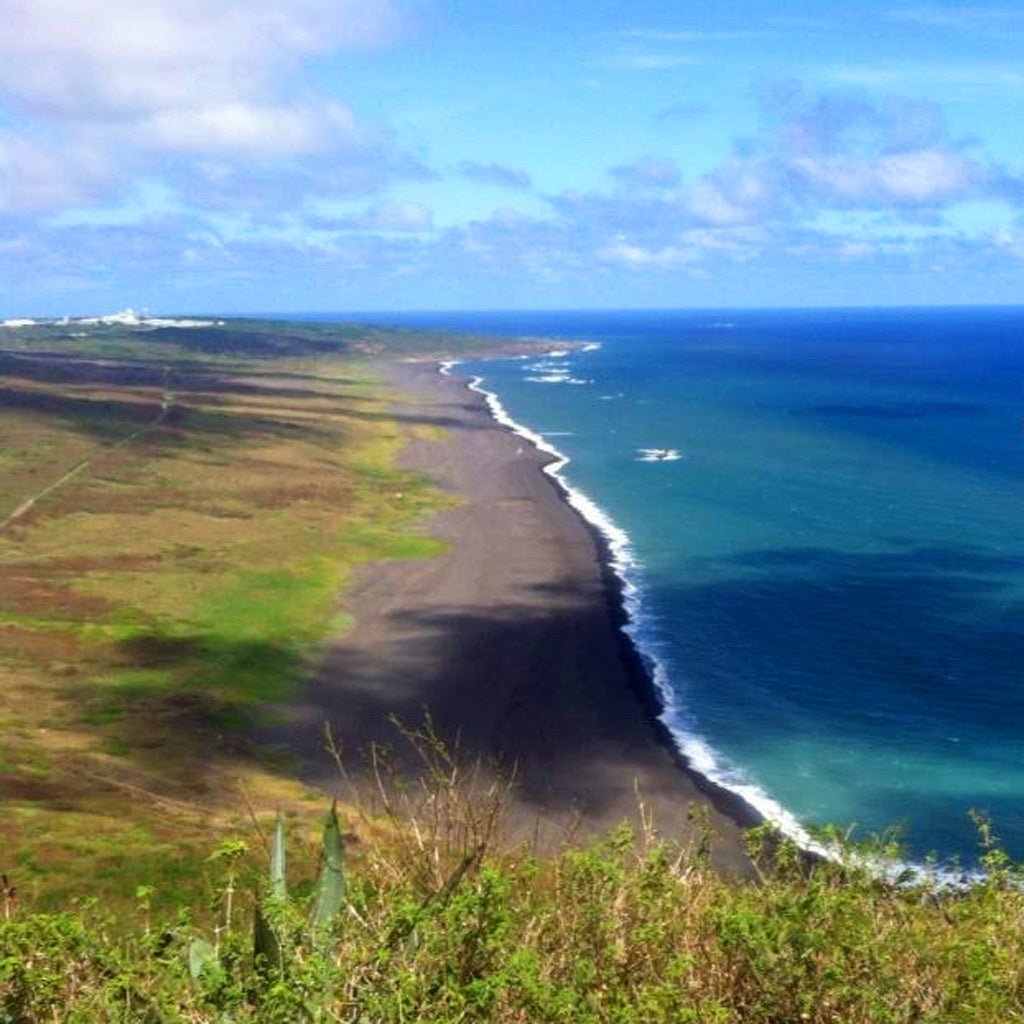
(266, 946)
(267, 951)
(278, 883)
(330, 885)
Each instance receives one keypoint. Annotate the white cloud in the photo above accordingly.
(1010, 241)
(110, 85)
(399, 217)
(680, 36)
(846, 151)
(962, 17)
(250, 128)
(35, 176)
(650, 61)
(947, 76)
(918, 177)
(653, 172)
(385, 216)
(494, 174)
(740, 191)
(708, 204)
(122, 58)
(665, 257)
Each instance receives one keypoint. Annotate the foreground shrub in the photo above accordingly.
(622, 931)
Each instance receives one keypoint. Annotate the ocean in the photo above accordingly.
(820, 518)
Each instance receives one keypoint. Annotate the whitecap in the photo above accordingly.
(658, 455)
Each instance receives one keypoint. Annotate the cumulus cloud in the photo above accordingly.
(37, 176)
(627, 254)
(123, 83)
(266, 187)
(710, 203)
(923, 177)
(1010, 240)
(846, 151)
(494, 174)
(123, 58)
(248, 128)
(746, 188)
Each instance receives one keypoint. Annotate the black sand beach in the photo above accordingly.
(511, 641)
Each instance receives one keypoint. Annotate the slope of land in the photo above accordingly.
(179, 510)
(182, 509)
(179, 517)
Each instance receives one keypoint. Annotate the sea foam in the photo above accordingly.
(638, 627)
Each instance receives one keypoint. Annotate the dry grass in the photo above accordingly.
(155, 604)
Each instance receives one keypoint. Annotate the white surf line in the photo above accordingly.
(695, 750)
(166, 402)
(700, 756)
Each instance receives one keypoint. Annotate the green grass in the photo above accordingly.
(171, 597)
(437, 924)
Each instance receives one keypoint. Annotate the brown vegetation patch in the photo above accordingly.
(36, 597)
(20, 787)
(136, 409)
(80, 565)
(37, 647)
(313, 491)
(63, 370)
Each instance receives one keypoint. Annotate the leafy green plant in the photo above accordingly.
(629, 929)
(289, 935)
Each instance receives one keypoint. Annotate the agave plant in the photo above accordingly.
(271, 939)
(330, 885)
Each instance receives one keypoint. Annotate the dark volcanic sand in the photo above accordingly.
(511, 641)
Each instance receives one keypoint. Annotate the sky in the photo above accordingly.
(296, 155)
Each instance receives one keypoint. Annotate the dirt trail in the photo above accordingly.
(166, 403)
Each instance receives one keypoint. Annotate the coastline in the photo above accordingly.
(513, 643)
(640, 670)
(743, 803)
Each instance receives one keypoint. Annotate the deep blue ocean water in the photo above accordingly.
(832, 574)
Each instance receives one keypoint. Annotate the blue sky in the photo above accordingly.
(276, 155)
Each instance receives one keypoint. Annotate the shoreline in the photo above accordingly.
(640, 669)
(511, 640)
(643, 668)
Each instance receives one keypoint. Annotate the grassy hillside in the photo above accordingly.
(180, 510)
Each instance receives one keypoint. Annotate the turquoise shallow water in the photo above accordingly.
(832, 574)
